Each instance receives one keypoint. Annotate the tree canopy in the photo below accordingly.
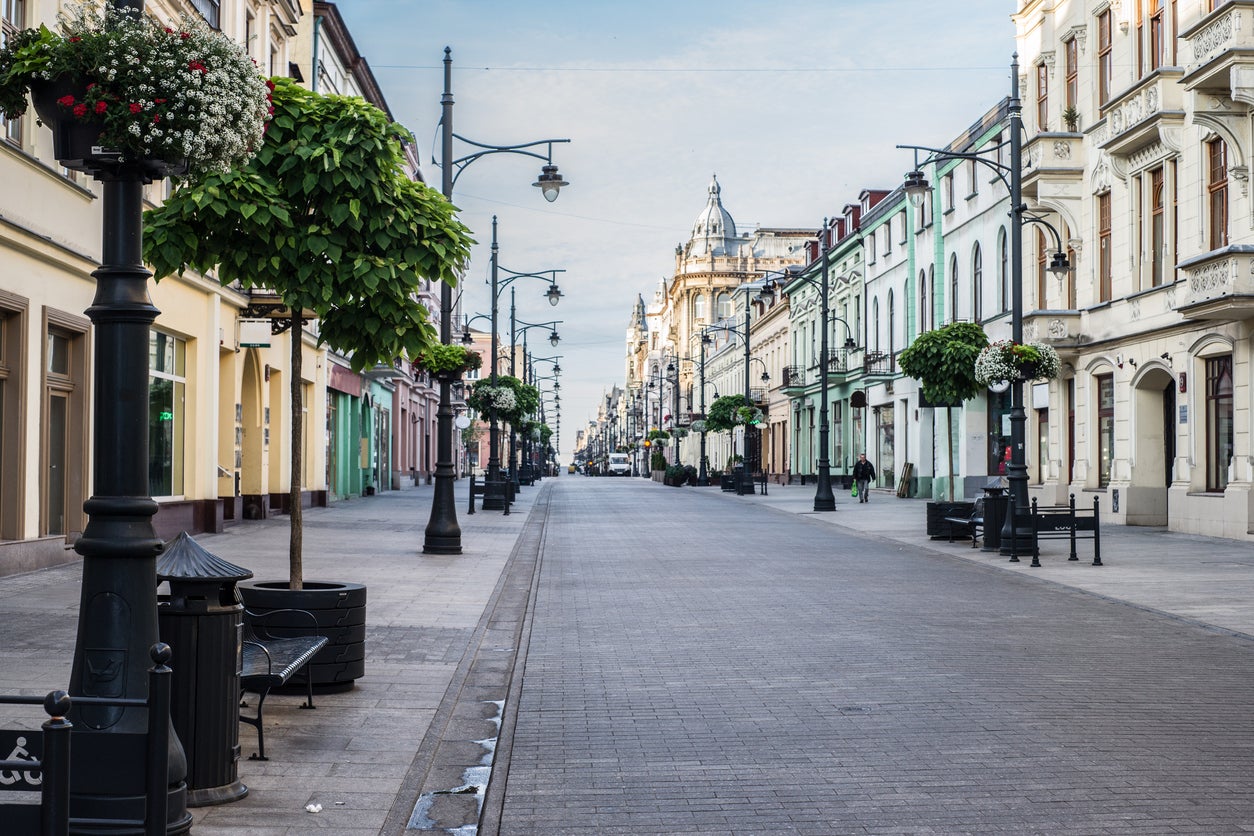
(943, 361)
(325, 216)
(723, 413)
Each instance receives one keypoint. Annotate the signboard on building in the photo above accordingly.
(254, 333)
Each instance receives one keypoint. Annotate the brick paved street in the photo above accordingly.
(700, 663)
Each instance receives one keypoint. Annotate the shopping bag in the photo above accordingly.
(854, 492)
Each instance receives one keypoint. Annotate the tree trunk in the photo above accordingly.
(949, 442)
(296, 568)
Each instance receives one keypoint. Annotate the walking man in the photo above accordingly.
(863, 474)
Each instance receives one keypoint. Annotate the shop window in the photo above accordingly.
(1105, 428)
(1219, 429)
(167, 385)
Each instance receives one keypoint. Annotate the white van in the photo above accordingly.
(620, 464)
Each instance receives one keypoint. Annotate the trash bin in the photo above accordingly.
(995, 505)
(202, 621)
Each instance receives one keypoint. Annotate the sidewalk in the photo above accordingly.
(1206, 580)
(354, 754)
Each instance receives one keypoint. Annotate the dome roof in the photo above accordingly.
(714, 225)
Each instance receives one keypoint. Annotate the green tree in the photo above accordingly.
(325, 216)
(943, 361)
(722, 415)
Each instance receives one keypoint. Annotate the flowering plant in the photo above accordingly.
(182, 93)
(447, 359)
(1009, 360)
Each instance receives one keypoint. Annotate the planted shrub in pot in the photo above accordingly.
(943, 361)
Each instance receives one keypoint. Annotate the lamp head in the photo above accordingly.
(466, 338)
(1058, 264)
(554, 294)
(765, 377)
(706, 339)
(767, 293)
(554, 339)
(850, 343)
(916, 187)
(670, 367)
(557, 369)
(549, 182)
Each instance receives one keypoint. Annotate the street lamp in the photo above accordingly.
(554, 339)
(443, 534)
(824, 499)
(743, 474)
(1011, 176)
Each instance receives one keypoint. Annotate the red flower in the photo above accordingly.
(135, 108)
(80, 110)
(75, 40)
(159, 101)
(156, 117)
(270, 84)
(185, 35)
(100, 107)
(168, 30)
(89, 86)
(196, 66)
(66, 101)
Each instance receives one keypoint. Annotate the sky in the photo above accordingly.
(796, 105)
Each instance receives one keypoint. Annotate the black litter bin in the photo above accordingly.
(996, 504)
(202, 621)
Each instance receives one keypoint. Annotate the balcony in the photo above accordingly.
(1221, 42)
(1051, 163)
(794, 377)
(1220, 285)
(879, 364)
(837, 361)
(1144, 117)
(759, 397)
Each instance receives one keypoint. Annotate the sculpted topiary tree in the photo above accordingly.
(325, 216)
(943, 361)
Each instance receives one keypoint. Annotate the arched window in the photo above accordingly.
(725, 309)
(933, 296)
(875, 322)
(1003, 270)
(924, 311)
(700, 307)
(977, 284)
(892, 322)
(953, 288)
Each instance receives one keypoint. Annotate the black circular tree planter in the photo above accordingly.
(340, 612)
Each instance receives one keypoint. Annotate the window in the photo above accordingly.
(933, 295)
(875, 322)
(1003, 271)
(977, 285)
(1158, 245)
(13, 20)
(1042, 97)
(1217, 191)
(1104, 57)
(1042, 445)
(1157, 35)
(700, 308)
(1071, 89)
(973, 178)
(902, 225)
(953, 288)
(892, 324)
(725, 309)
(1103, 248)
(1105, 428)
(1219, 431)
(166, 415)
(1042, 256)
(947, 192)
(208, 10)
(924, 311)
(888, 237)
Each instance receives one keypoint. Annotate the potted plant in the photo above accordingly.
(660, 438)
(448, 361)
(350, 245)
(1071, 118)
(117, 88)
(943, 361)
(1006, 360)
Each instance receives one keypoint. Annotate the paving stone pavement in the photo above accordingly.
(620, 657)
(702, 663)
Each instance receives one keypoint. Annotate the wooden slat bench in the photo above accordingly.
(268, 662)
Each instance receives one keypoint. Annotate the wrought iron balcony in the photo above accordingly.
(794, 377)
(879, 364)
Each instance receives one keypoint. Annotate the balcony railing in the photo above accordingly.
(794, 377)
(878, 363)
(837, 360)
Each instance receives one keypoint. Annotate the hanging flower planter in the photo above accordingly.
(448, 362)
(120, 90)
(1006, 360)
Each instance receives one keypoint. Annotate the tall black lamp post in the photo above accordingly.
(1011, 176)
(117, 617)
(703, 475)
(514, 331)
(443, 534)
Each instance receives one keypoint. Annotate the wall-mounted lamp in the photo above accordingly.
(1166, 355)
(1132, 362)
(1119, 360)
